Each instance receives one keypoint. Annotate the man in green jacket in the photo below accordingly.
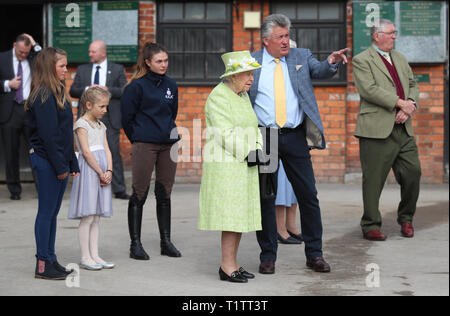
(389, 94)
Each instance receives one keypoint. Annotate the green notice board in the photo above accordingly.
(420, 18)
(116, 23)
(118, 5)
(74, 40)
(422, 77)
(362, 19)
(421, 25)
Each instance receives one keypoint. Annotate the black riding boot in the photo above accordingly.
(134, 225)
(163, 213)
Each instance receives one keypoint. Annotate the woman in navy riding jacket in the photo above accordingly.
(52, 155)
(149, 109)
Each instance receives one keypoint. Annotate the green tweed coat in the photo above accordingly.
(378, 94)
(229, 192)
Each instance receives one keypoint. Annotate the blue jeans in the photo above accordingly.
(50, 193)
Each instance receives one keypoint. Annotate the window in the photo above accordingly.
(196, 34)
(320, 27)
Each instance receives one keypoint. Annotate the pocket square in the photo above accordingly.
(297, 67)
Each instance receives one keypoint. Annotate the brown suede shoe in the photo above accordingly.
(267, 267)
(318, 265)
(407, 230)
(375, 235)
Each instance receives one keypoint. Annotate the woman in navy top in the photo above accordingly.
(52, 155)
(149, 109)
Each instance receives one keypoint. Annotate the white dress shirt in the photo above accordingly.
(265, 99)
(102, 72)
(26, 76)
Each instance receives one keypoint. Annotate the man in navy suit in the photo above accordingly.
(15, 82)
(110, 76)
(298, 127)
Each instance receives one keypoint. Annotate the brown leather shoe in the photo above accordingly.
(375, 235)
(407, 230)
(318, 265)
(267, 267)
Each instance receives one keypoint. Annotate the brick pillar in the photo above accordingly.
(353, 166)
(428, 123)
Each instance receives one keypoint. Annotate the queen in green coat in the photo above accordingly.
(229, 194)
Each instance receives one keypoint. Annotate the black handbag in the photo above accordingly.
(267, 183)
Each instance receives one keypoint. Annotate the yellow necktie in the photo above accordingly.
(280, 95)
(388, 58)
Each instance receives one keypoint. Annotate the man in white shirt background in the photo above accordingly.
(15, 82)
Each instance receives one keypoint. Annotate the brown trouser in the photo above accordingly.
(147, 156)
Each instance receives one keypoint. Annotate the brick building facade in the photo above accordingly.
(338, 106)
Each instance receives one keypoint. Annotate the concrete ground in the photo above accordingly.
(398, 266)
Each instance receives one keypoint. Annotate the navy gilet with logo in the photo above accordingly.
(149, 108)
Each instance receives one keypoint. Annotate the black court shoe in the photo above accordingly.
(298, 237)
(289, 241)
(246, 274)
(234, 277)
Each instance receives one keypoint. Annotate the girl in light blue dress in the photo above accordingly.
(91, 191)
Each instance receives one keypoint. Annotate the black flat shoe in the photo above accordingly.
(246, 274)
(235, 277)
(298, 237)
(289, 240)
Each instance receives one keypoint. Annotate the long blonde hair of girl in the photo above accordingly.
(147, 52)
(93, 94)
(44, 80)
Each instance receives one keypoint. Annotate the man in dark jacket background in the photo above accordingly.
(15, 82)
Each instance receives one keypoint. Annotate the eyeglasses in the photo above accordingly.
(390, 33)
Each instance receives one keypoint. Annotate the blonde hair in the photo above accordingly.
(93, 95)
(44, 80)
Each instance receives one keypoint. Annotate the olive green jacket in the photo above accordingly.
(378, 94)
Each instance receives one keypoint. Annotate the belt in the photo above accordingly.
(285, 130)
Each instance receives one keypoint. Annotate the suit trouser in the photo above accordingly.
(12, 133)
(399, 152)
(113, 137)
(294, 153)
(50, 195)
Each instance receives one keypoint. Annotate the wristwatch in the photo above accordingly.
(37, 48)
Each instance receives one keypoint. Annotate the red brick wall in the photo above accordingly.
(191, 107)
(338, 107)
(329, 164)
(429, 123)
